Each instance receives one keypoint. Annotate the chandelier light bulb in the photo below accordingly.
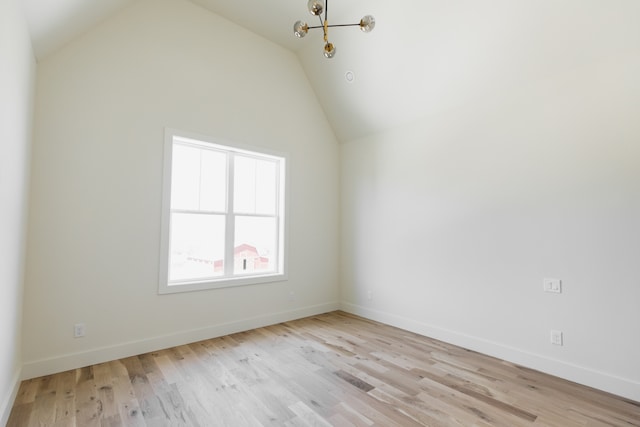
(300, 29)
(367, 24)
(316, 7)
(329, 50)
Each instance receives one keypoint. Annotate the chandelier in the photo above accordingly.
(316, 7)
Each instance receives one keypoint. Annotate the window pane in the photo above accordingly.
(213, 181)
(254, 186)
(185, 177)
(265, 187)
(255, 245)
(197, 246)
(198, 180)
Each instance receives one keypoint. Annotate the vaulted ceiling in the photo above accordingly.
(424, 56)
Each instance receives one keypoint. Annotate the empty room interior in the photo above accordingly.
(452, 212)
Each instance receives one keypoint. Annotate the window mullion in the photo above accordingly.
(200, 181)
(254, 215)
(277, 216)
(197, 212)
(229, 237)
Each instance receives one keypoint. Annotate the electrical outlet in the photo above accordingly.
(552, 285)
(556, 337)
(292, 296)
(370, 295)
(79, 330)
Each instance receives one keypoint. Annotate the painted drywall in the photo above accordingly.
(451, 222)
(17, 79)
(102, 104)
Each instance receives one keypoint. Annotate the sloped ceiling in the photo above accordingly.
(424, 56)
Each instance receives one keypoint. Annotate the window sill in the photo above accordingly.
(191, 286)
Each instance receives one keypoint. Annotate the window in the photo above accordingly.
(223, 212)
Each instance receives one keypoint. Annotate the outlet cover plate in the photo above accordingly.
(79, 330)
(552, 285)
(556, 337)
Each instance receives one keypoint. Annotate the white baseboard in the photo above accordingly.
(70, 361)
(582, 375)
(7, 404)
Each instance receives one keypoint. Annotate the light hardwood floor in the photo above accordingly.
(328, 370)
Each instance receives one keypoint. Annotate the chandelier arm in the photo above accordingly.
(344, 25)
(335, 25)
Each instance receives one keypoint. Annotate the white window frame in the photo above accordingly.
(165, 287)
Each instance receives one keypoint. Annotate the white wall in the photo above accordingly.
(453, 221)
(17, 74)
(102, 104)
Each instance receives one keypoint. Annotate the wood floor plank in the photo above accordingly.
(128, 405)
(334, 369)
(21, 414)
(45, 401)
(171, 403)
(65, 406)
(352, 416)
(150, 404)
(27, 392)
(103, 381)
(89, 410)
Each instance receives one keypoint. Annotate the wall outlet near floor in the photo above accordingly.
(552, 285)
(556, 337)
(369, 295)
(79, 330)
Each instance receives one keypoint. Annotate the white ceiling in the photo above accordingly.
(272, 20)
(424, 56)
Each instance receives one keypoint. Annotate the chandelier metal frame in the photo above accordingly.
(316, 8)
